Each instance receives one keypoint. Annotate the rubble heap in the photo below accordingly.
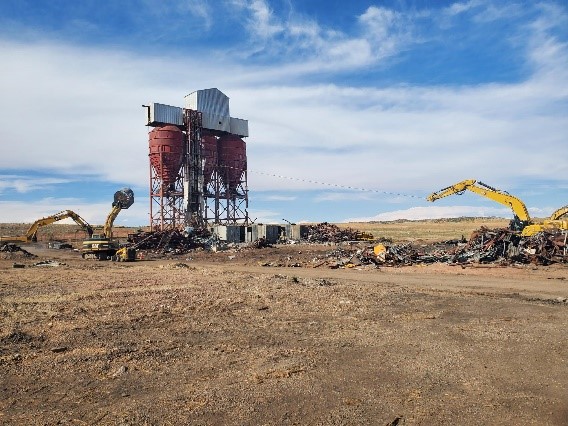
(172, 241)
(494, 245)
(327, 232)
(13, 248)
(497, 246)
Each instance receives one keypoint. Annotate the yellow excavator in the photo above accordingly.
(521, 222)
(102, 246)
(31, 233)
(557, 214)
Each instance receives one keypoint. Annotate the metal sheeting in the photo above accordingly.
(229, 233)
(165, 114)
(239, 127)
(211, 101)
(215, 122)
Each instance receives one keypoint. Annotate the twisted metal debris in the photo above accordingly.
(13, 248)
(327, 232)
(172, 241)
(497, 246)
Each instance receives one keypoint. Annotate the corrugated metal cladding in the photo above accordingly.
(212, 101)
(239, 127)
(215, 122)
(165, 114)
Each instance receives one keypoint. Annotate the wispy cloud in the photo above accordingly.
(435, 212)
(23, 184)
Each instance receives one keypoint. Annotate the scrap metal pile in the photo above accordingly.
(13, 248)
(327, 232)
(172, 241)
(496, 246)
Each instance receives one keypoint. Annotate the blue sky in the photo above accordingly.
(357, 110)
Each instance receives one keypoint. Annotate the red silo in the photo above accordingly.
(209, 155)
(232, 159)
(166, 152)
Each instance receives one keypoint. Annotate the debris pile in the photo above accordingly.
(327, 232)
(13, 248)
(171, 241)
(260, 243)
(496, 246)
(503, 245)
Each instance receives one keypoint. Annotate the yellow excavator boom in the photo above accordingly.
(522, 221)
(559, 213)
(31, 233)
(502, 197)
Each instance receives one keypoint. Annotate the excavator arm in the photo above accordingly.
(559, 213)
(107, 229)
(31, 233)
(458, 189)
(123, 199)
(519, 209)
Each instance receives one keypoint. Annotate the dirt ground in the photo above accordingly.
(219, 339)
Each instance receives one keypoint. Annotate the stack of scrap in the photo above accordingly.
(13, 248)
(506, 246)
(330, 233)
(496, 246)
(260, 243)
(172, 241)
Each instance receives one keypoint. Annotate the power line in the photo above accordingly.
(334, 185)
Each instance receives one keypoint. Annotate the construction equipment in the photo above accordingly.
(128, 253)
(521, 222)
(557, 214)
(31, 233)
(102, 246)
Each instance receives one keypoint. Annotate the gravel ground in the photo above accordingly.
(219, 339)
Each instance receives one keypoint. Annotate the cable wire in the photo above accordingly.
(334, 185)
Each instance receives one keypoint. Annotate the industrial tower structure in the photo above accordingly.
(198, 163)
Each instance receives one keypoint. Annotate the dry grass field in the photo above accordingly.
(427, 230)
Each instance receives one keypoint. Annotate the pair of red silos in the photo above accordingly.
(227, 154)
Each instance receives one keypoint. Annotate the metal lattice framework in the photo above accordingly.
(167, 210)
(224, 205)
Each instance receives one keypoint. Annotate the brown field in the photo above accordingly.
(217, 339)
(427, 230)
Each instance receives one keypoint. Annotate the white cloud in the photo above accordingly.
(22, 184)
(344, 196)
(461, 7)
(436, 212)
(279, 198)
(264, 216)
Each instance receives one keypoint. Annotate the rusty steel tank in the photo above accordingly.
(232, 159)
(209, 155)
(166, 152)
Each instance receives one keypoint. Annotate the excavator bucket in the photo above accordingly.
(123, 198)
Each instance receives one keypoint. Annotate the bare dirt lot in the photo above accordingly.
(215, 338)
